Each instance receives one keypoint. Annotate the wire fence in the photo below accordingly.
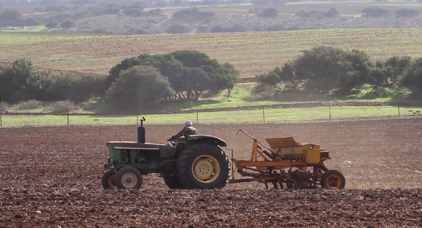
(276, 115)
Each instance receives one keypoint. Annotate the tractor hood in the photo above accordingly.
(217, 140)
(135, 144)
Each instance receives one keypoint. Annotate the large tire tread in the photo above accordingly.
(184, 164)
(172, 181)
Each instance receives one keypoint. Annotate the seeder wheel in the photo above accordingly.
(291, 184)
(333, 179)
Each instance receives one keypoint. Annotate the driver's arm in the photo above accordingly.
(178, 135)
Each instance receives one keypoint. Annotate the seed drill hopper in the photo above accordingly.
(287, 164)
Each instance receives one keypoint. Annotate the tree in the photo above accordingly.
(10, 17)
(407, 12)
(177, 28)
(359, 69)
(52, 24)
(387, 73)
(192, 13)
(13, 81)
(282, 79)
(268, 13)
(190, 73)
(322, 70)
(331, 13)
(138, 87)
(412, 78)
(66, 24)
(375, 12)
(136, 12)
(113, 9)
(229, 79)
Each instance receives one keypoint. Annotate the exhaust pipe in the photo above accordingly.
(141, 132)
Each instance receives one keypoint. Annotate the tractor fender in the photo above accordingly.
(206, 138)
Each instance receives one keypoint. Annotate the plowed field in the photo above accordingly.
(50, 177)
(251, 53)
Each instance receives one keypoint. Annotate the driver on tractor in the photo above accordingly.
(187, 130)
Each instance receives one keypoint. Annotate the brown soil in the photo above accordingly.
(50, 177)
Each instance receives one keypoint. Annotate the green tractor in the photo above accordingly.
(192, 162)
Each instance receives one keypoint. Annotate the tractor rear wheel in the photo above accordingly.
(128, 178)
(333, 179)
(203, 166)
(108, 180)
(171, 180)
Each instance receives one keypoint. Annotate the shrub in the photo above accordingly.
(192, 13)
(136, 12)
(177, 28)
(28, 105)
(112, 10)
(137, 87)
(407, 13)
(217, 28)
(412, 78)
(331, 12)
(275, 28)
(99, 30)
(62, 107)
(52, 24)
(316, 13)
(31, 22)
(268, 13)
(235, 28)
(375, 12)
(4, 107)
(201, 29)
(66, 24)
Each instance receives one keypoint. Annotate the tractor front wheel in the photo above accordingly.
(128, 178)
(108, 180)
(203, 166)
(333, 179)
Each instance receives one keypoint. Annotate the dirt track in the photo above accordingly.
(50, 177)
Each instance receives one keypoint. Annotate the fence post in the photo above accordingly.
(398, 109)
(197, 116)
(329, 111)
(137, 119)
(1, 121)
(67, 117)
(263, 114)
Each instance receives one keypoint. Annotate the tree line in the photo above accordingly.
(145, 80)
(134, 83)
(333, 71)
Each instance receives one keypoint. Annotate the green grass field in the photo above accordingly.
(240, 97)
(251, 52)
(23, 29)
(239, 116)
